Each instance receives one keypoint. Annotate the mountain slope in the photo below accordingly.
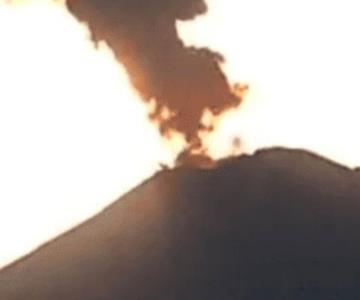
(277, 225)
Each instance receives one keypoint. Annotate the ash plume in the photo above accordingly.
(143, 35)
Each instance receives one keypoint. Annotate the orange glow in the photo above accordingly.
(74, 134)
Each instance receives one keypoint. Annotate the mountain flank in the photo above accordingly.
(281, 224)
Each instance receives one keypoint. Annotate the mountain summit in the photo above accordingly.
(279, 224)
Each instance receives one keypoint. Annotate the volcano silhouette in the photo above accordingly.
(277, 225)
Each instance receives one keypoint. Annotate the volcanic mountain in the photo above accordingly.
(281, 224)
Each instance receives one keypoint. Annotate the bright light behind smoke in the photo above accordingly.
(301, 60)
(73, 133)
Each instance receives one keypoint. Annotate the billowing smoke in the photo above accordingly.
(183, 81)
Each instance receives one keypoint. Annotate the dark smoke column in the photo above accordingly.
(143, 35)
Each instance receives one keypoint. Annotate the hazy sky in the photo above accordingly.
(301, 60)
(63, 157)
(74, 135)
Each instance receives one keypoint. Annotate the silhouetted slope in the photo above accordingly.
(277, 225)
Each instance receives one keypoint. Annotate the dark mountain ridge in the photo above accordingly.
(276, 225)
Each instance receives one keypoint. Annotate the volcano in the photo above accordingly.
(281, 224)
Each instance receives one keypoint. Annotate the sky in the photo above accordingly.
(67, 143)
(74, 134)
(300, 59)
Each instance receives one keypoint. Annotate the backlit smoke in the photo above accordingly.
(184, 80)
(75, 134)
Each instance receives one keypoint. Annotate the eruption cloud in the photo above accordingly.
(182, 81)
